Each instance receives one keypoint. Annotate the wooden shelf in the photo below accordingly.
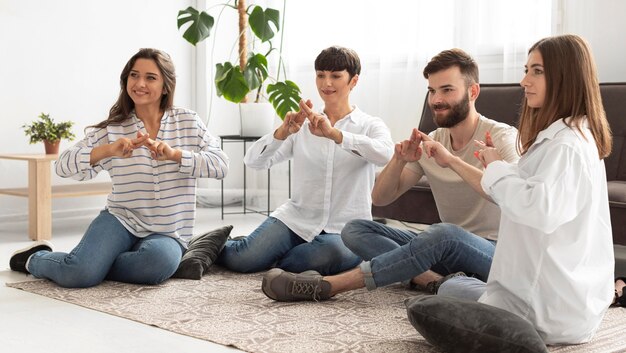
(70, 190)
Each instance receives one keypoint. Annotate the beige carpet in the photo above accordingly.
(230, 309)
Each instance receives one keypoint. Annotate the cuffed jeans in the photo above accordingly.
(463, 288)
(109, 251)
(395, 255)
(273, 244)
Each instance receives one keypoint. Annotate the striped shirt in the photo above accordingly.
(150, 196)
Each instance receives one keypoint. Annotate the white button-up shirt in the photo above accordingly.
(554, 259)
(332, 183)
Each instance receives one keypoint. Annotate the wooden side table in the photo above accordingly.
(40, 192)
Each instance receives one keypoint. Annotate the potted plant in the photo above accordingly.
(46, 130)
(234, 81)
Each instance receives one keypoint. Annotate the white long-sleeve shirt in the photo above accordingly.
(151, 196)
(554, 259)
(332, 183)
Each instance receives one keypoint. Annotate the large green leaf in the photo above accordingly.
(201, 24)
(259, 21)
(256, 70)
(230, 83)
(284, 96)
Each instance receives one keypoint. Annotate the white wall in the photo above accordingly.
(64, 57)
(601, 23)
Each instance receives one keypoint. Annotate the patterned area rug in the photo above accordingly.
(230, 309)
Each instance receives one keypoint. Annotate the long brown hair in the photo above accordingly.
(121, 110)
(572, 90)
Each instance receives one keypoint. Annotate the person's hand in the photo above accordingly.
(320, 124)
(409, 150)
(293, 121)
(160, 150)
(436, 150)
(123, 147)
(487, 152)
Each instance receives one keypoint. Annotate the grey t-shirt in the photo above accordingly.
(456, 201)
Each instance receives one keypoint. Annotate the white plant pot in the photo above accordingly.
(257, 119)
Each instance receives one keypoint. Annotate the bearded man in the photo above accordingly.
(465, 242)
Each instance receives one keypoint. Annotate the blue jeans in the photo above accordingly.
(397, 255)
(109, 251)
(273, 244)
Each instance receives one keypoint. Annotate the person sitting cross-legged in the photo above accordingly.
(466, 241)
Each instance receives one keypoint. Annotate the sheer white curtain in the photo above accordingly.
(395, 39)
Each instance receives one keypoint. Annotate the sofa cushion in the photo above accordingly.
(456, 325)
(617, 193)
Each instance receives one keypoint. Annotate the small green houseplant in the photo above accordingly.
(235, 81)
(50, 133)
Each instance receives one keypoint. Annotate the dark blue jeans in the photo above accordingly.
(273, 244)
(109, 251)
(396, 255)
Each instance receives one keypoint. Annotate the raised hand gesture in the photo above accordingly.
(436, 150)
(160, 150)
(409, 150)
(320, 125)
(487, 152)
(123, 147)
(293, 121)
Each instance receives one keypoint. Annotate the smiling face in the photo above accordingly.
(145, 83)
(334, 86)
(534, 81)
(448, 97)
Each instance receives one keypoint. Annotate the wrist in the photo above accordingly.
(455, 161)
(177, 156)
(397, 161)
(337, 136)
(280, 134)
(105, 151)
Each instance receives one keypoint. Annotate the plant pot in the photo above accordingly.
(52, 147)
(257, 119)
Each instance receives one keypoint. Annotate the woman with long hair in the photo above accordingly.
(153, 152)
(553, 264)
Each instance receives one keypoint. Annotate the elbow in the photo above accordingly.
(378, 200)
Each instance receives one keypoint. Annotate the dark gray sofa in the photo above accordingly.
(502, 102)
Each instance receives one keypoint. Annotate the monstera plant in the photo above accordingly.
(233, 81)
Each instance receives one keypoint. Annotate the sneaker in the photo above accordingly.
(286, 286)
(20, 257)
(433, 287)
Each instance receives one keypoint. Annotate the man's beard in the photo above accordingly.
(458, 113)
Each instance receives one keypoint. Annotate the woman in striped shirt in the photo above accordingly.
(153, 153)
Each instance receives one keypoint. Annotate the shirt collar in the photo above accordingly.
(355, 116)
(555, 128)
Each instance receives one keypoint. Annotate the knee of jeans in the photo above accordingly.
(235, 261)
(81, 277)
(444, 231)
(353, 231)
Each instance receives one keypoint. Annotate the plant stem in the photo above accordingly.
(243, 41)
(282, 35)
